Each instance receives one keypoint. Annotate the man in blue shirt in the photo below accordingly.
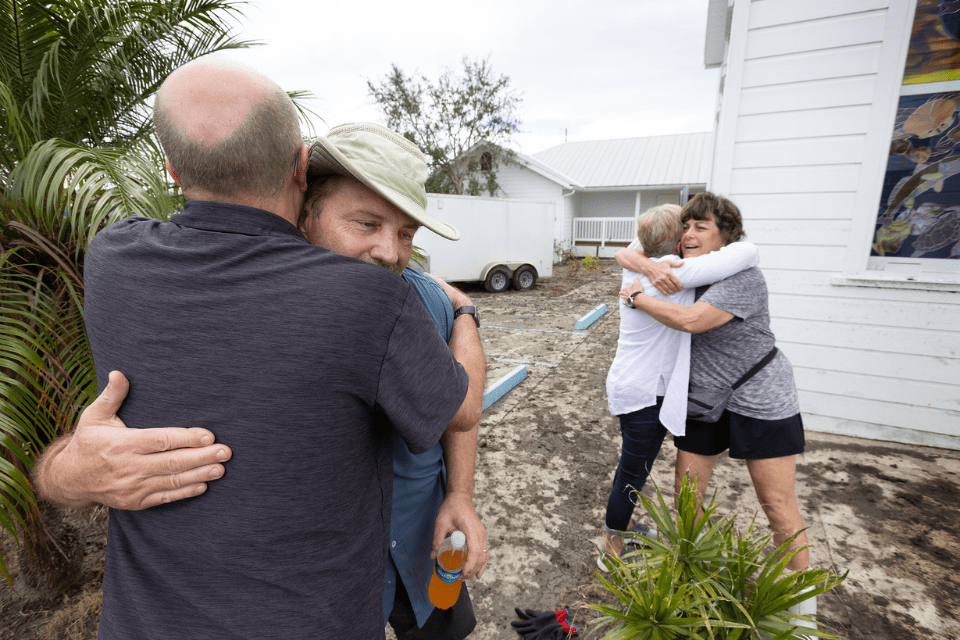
(423, 504)
(346, 210)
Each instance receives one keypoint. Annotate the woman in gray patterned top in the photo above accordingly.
(731, 326)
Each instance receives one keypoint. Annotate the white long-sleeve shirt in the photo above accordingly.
(653, 359)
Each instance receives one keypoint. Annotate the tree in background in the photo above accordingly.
(77, 151)
(463, 123)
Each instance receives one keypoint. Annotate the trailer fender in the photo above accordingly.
(510, 267)
(490, 265)
(496, 278)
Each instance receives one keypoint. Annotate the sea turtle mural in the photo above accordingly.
(920, 204)
(942, 232)
(931, 177)
(934, 226)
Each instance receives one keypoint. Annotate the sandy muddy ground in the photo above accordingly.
(889, 513)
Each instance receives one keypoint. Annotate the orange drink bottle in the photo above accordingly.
(446, 580)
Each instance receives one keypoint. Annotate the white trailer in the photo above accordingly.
(502, 242)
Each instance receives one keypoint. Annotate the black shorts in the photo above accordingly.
(454, 623)
(746, 438)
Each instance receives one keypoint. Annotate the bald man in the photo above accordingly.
(300, 359)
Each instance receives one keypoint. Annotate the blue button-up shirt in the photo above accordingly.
(418, 486)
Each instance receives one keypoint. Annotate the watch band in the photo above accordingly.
(470, 310)
(630, 299)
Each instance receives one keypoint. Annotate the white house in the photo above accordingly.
(601, 186)
(837, 136)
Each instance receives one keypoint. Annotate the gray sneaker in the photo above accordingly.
(644, 530)
(633, 542)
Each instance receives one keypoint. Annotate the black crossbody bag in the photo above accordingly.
(706, 405)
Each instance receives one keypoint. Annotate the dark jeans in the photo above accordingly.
(642, 437)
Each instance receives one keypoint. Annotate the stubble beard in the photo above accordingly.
(395, 268)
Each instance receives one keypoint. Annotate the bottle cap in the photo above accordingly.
(457, 539)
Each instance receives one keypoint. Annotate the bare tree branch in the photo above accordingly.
(464, 122)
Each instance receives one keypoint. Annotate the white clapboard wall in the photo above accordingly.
(519, 182)
(803, 130)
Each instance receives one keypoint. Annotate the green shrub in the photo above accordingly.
(591, 263)
(702, 578)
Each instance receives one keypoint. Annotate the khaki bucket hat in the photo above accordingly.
(382, 160)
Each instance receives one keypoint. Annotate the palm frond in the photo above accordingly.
(67, 192)
(84, 70)
(46, 377)
(16, 133)
(304, 112)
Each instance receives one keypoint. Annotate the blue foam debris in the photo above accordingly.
(591, 317)
(499, 388)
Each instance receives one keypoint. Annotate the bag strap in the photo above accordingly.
(760, 365)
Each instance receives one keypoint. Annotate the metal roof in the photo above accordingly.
(547, 171)
(634, 162)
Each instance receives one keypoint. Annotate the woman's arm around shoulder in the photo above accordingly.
(696, 318)
(718, 265)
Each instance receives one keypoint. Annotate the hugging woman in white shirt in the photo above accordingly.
(647, 382)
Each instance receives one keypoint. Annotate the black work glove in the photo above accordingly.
(545, 625)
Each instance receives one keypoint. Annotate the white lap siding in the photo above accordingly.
(520, 183)
(803, 127)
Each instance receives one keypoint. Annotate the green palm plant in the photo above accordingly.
(702, 578)
(57, 198)
(77, 152)
(83, 70)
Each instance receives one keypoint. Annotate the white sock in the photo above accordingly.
(807, 607)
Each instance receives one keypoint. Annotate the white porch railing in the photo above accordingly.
(603, 231)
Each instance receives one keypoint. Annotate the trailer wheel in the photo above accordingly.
(524, 277)
(497, 280)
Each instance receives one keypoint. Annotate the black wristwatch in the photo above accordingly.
(630, 299)
(468, 310)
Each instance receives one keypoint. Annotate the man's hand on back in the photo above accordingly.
(105, 462)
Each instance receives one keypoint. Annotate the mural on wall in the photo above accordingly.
(919, 212)
(934, 54)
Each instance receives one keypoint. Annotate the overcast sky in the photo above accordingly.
(585, 69)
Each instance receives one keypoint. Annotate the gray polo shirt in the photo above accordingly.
(299, 360)
(719, 357)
